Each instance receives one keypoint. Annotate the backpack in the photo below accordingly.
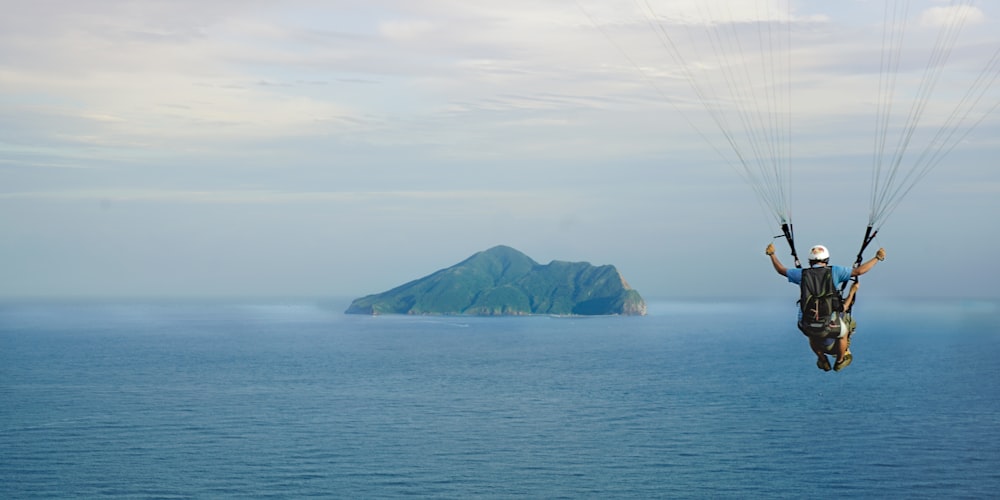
(821, 305)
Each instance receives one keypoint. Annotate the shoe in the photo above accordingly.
(823, 364)
(843, 363)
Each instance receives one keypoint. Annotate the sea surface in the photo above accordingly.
(293, 399)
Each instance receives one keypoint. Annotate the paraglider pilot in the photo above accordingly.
(823, 316)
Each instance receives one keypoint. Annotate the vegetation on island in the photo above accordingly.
(502, 281)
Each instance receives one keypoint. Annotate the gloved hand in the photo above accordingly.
(770, 249)
(880, 254)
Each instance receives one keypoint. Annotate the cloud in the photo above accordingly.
(952, 14)
(511, 198)
(986, 187)
(406, 30)
(487, 115)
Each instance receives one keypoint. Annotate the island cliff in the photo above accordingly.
(503, 281)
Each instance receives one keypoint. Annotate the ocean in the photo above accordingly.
(293, 399)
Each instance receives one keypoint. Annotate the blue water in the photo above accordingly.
(295, 399)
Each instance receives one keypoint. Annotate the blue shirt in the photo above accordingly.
(840, 275)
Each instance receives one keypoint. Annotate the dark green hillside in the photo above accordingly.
(504, 281)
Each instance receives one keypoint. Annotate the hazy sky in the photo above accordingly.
(340, 148)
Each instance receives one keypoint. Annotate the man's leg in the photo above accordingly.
(844, 356)
(823, 363)
(841, 348)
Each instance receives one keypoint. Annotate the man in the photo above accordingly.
(819, 257)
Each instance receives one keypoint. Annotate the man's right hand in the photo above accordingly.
(770, 249)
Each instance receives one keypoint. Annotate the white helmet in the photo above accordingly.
(819, 253)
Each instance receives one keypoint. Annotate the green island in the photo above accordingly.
(502, 281)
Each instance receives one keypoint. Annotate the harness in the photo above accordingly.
(789, 233)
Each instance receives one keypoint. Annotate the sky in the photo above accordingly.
(306, 148)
